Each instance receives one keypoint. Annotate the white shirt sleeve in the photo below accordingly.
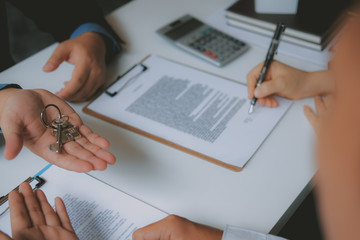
(238, 233)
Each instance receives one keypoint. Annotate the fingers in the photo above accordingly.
(63, 215)
(32, 204)
(96, 144)
(87, 78)
(268, 88)
(265, 91)
(78, 79)
(311, 116)
(315, 117)
(19, 215)
(94, 138)
(51, 218)
(30, 209)
(87, 53)
(13, 138)
(82, 154)
(60, 54)
(175, 227)
(94, 81)
(98, 153)
(12, 125)
(153, 231)
(252, 78)
(274, 102)
(320, 105)
(67, 161)
(329, 100)
(268, 101)
(90, 148)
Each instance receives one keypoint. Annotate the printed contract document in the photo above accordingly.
(194, 111)
(96, 210)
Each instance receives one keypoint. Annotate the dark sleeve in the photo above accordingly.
(61, 17)
(10, 85)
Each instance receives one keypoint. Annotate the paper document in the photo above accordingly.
(195, 111)
(96, 210)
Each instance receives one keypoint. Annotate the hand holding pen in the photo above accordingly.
(280, 28)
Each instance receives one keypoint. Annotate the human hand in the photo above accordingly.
(322, 111)
(177, 228)
(20, 122)
(281, 79)
(87, 52)
(288, 82)
(32, 217)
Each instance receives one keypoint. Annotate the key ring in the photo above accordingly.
(54, 122)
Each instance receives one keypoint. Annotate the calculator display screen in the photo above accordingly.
(183, 29)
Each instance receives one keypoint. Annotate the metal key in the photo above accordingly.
(62, 129)
(58, 124)
(69, 133)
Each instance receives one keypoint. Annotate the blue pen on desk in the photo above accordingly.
(280, 28)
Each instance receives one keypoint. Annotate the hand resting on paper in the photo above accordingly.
(32, 217)
(175, 228)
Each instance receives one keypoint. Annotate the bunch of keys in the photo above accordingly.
(62, 129)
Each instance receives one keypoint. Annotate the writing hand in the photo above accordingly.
(87, 53)
(21, 124)
(285, 81)
(177, 228)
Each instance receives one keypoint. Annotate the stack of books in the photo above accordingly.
(314, 26)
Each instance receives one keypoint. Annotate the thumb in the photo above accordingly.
(267, 88)
(60, 54)
(13, 138)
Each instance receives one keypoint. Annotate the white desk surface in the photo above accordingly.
(169, 179)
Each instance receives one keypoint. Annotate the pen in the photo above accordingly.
(280, 28)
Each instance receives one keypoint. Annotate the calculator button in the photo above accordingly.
(208, 53)
(216, 46)
(213, 56)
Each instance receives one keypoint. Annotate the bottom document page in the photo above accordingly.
(96, 210)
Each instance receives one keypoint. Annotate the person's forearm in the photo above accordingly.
(318, 83)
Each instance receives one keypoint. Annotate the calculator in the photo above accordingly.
(203, 40)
